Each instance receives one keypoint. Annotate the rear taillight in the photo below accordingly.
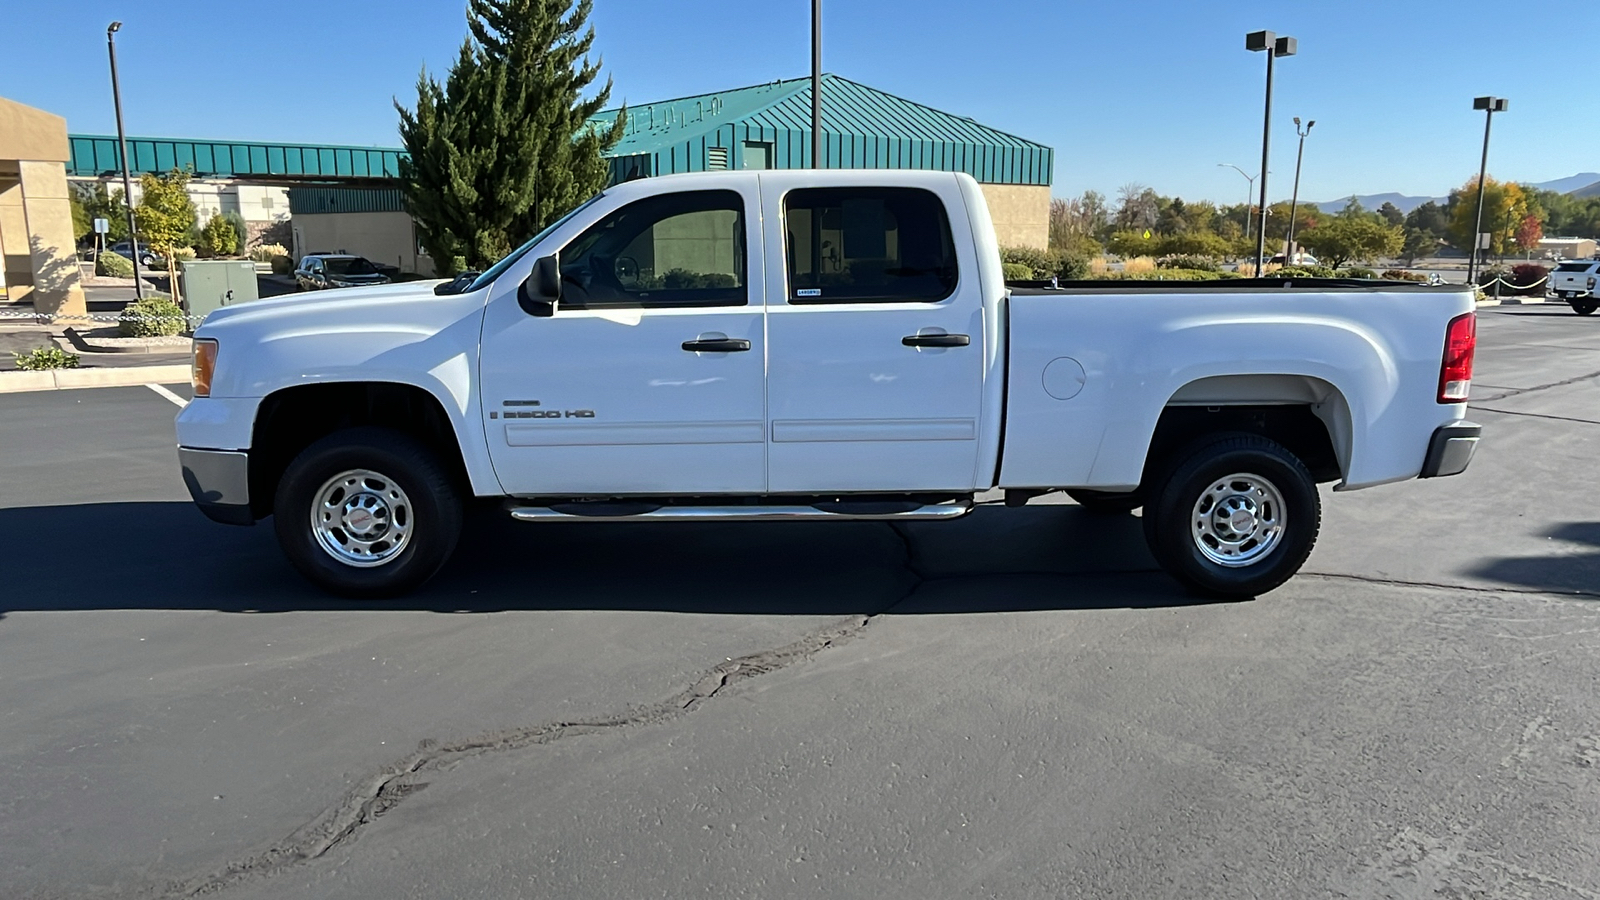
(1455, 372)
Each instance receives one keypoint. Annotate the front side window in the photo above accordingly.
(868, 245)
(683, 249)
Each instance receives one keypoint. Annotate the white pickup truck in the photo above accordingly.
(819, 345)
(1575, 282)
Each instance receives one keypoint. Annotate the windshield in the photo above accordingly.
(510, 259)
(1574, 267)
(357, 266)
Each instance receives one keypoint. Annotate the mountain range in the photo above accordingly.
(1585, 184)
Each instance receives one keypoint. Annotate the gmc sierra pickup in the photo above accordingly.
(821, 345)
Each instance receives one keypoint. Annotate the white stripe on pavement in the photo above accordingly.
(168, 394)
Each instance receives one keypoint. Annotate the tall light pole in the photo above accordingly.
(1490, 106)
(816, 84)
(1294, 201)
(1249, 193)
(1275, 47)
(127, 180)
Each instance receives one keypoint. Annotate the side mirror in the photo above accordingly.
(539, 294)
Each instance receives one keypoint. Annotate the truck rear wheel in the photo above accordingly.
(1585, 307)
(367, 512)
(1236, 516)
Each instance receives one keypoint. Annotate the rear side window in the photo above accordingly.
(868, 245)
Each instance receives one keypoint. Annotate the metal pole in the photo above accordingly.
(1249, 197)
(1483, 172)
(127, 180)
(1294, 200)
(816, 84)
(1266, 146)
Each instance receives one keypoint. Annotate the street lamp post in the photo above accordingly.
(816, 84)
(1275, 47)
(1294, 201)
(127, 180)
(1249, 193)
(1490, 106)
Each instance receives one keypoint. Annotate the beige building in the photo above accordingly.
(1021, 213)
(369, 222)
(40, 265)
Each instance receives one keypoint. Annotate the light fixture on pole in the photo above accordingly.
(122, 146)
(1294, 200)
(1275, 47)
(1249, 194)
(816, 84)
(1490, 106)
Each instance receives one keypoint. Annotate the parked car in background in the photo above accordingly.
(335, 270)
(147, 258)
(1300, 259)
(1575, 283)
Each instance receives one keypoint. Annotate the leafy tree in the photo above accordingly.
(1138, 207)
(109, 205)
(501, 148)
(1341, 238)
(1128, 244)
(1418, 244)
(82, 222)
(218, 237)
(165, 215)
(1505, 205)
(1352, 209)
(1192, 243)
(1392, 214)
(1529, 233)
(1430, 218)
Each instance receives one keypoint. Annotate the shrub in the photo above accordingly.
(1079, 245)
(1357, 272)
(1529, 278)
(183, 254)
(240, 230)
(218, 237)
(41, 358)
(1188, 261)
(113, 266)
(1192, 243)
(266, 252)
(1304, 272)
(1403, 275)
(1168, 275)
(1037, 261)
(151, 317)
(1016, 271)
(282, 265)
(1098, 267)
(1044, 264)
(1138, 265)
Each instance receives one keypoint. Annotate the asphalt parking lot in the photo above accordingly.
(1013, 705)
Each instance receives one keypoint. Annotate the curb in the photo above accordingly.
(70, 379)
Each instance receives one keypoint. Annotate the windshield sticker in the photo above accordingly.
(808, 292)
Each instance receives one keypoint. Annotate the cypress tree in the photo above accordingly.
(501, 148)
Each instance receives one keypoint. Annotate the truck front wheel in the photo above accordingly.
(367, 512)
(1236, 516)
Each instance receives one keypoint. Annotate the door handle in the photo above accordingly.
(936, 340)
(717, 345)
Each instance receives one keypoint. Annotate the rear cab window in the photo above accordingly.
(868, 245)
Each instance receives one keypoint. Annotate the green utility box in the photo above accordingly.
(210, 284)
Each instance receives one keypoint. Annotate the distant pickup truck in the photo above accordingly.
(814, 345)
(1575, 283)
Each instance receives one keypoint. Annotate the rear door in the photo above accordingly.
(875, 337)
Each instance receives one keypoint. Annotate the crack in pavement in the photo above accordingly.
(1517, 392)
(376, 795)
(1533, 415)
(1448, 586)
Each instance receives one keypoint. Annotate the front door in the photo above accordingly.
(877, 344)
(649, 377)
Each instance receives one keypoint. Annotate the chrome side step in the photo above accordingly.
(934, 512)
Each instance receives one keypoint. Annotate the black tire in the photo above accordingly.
(423, 505)
(1175, 533)
(1106, 502)
(1583, 308)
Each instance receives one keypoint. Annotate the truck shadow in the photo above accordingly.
(167, 556)
(1575, 572)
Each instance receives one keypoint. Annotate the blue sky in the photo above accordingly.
(1150, 92)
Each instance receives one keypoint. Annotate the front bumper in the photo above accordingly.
(219, 482)
(1451, 449)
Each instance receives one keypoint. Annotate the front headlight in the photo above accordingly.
(203, 363)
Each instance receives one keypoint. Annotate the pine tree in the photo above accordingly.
(501, 148)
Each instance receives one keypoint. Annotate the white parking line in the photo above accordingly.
(168, 394)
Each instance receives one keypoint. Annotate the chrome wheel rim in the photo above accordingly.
(1238, 520)
(362, 518)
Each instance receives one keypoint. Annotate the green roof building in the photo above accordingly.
(768, 126)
